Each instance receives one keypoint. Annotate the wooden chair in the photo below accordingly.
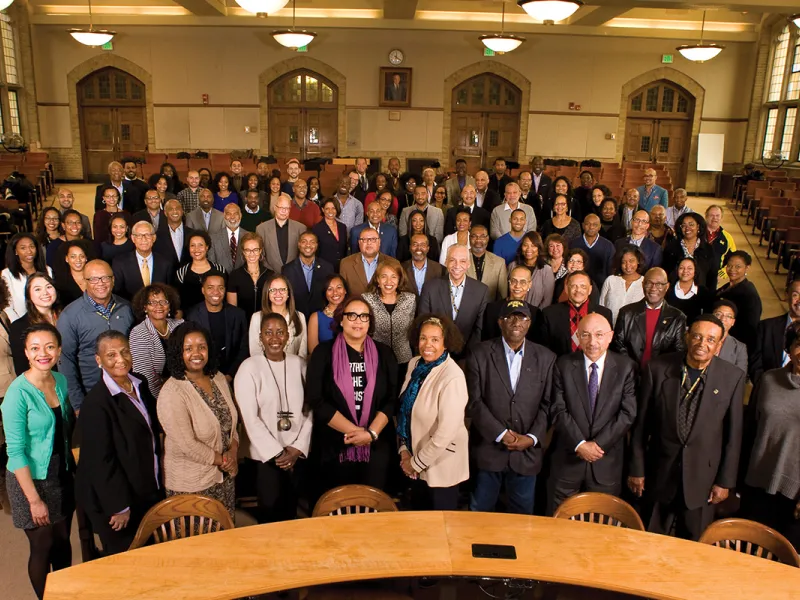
(750, 191)
(788, 244)
(592, 507)
(353, 499)
(779, 228)
(751, 538)
(774, 212)
(756, 199)
(178, 516)
(761, 207)
(787, 186)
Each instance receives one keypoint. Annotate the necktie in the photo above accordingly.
(234, 246)
(145, 273)
(594, 387)
(364, 182)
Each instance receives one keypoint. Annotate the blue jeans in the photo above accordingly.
(519, 491)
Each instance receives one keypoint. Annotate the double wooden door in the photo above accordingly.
(480, 137)
(110, 133)
(303, 133)
(660, 141)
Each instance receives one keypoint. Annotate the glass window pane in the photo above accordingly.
(296, 89)
(293, 134)
(663, 145)
(788, 130)
(13, 109)
(494, 137)
(494, 93)
(312, 89)
(104, 86)
(683, 104)
(327, 93)
(769, 132)
(793, 87)
(2, 129)
(462, 96)
(137, 93)
(636, 103)
(9, 49)
(120, 87)
(645, 147)
(778, 66)
(474, 139)
(511, 97)
(88, 90)
(667, 100)
(313, 135)
(477, 91)
(125, 132)
(652, 100)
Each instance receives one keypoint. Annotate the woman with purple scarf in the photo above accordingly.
(351, 386)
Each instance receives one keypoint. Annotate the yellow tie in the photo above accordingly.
(145, 273)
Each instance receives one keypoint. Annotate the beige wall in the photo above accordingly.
(226, 62)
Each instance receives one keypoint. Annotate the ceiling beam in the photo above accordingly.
(763, 6)
(205, 8)
(399, 9)
(596, 16)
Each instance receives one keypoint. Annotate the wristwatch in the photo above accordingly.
(373, 435)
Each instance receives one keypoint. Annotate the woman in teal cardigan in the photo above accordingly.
(38, 423)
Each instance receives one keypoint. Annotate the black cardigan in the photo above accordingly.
(322, 395)
(748, 307)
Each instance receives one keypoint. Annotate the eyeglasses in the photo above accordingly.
(655, 284)
(479, 236)
(52, 219)
(158, 303)
(641, 221)
(251, 250)
(516, 317)
(370, 240)
(110, 196)
(103, 278)
(724, 317)
(351, 316)
(519, 281)
(278, 290)
(598, 335)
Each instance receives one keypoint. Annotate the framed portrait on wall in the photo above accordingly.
(395, 87)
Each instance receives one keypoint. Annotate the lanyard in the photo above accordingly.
(694, 385)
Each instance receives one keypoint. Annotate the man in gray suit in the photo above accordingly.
(455, 185)
(434, 218)
(594, 406)
(485, 266)
(226, 246)
(280, 236)
(461, 298)
(205, 217)
(509, 384)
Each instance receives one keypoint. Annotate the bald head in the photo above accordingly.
(594, 334)
(591, 226)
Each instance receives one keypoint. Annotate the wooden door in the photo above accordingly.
(468, 139)
(286, 131)
(501, 136)
(131, 129)
(320, 133)
(98, 140)
(671, 143)
(639, 136)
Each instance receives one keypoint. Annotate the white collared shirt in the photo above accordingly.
(177, 239)
(514, 362)
(681, 295)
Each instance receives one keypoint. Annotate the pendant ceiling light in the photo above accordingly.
(550, 11)
(293, 38)
(700, 52)
(92, 36)
(4, 4)
(502, 42)
(262, 8)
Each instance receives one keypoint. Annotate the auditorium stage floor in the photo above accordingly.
(14, 546)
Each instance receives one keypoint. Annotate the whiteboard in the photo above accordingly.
(710, 150)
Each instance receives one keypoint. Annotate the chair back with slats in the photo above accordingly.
(351, 500)
(592, 507)
(181, 516)
(749, 537)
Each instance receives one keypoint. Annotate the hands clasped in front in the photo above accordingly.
(358, 437)
(516, 441)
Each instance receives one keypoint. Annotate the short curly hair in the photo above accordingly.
(453, 340)
(175, 364)
(143, 296)
(338, 314)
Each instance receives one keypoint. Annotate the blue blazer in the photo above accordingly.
(388, 239)
(653, 255)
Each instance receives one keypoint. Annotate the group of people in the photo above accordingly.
(216, 341)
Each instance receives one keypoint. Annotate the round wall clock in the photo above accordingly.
(396, 57)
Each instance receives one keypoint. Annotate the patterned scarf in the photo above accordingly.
(409, 396)
(103, 311)
(344, 381)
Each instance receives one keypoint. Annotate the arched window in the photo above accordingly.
(303, 88)
(487, 93)
(658, 99)
(10, 84)
(782, 97)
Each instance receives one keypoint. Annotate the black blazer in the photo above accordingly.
(304, 301)
(322, 395)
(630, 331)
(116, 469)
(614, 413)
(237, 347)
(707, 264)
(554, 326)
(491, 329)
(163, 245)
(480, 216)
(435, 298)
(499, 185)
(765, 354)
(653, 255)
(331, 249)
(710, 456)
(128, 277)
(748, 304)
(162, 231)
(491, 199)
(404, 247)
(494, 406)
(132, 199)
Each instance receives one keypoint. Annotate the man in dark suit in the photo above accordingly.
(119, 478)
(485, 197)
(600, 250)
(134, 270)
(541, 186)
(479, 216)
(687, 437)
(396, 90)
(769, 351)
(127, 195)
(594, 406)
(153, 214)
(420, 269)
(387, 233)
(638, 237)
(175, 243)
(461, 298)
(509, 382)
(650, 327)
(559, 322)
(138, 187)
(306, 274)
(499, 179)
(227, 324)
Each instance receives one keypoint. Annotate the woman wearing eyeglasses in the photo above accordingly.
(278, 297)
(690, 241)
(246, 284)
(153, 303)
(351, 386)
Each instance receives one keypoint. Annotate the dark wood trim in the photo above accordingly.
(52, 104)
(724, 120)
(400, 108)
(168, 105)
(572, 113)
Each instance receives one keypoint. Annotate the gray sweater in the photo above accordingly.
(80, 325)
(775, 461)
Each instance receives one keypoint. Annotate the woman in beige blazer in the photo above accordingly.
(198, 416)
(430, 422)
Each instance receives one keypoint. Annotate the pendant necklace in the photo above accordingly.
(284, 416)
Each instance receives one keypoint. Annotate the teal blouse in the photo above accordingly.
(30, 425)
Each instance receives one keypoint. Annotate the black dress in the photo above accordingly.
(109, 250)
(331, 249)
(67, 288)
(404, 248)
(707, 269)
(248, 294)
(748, 307)
(692, 307)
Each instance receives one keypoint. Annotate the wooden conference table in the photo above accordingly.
(268, 558)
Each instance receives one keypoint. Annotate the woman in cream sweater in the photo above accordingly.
(198, 416)
(430, 421)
